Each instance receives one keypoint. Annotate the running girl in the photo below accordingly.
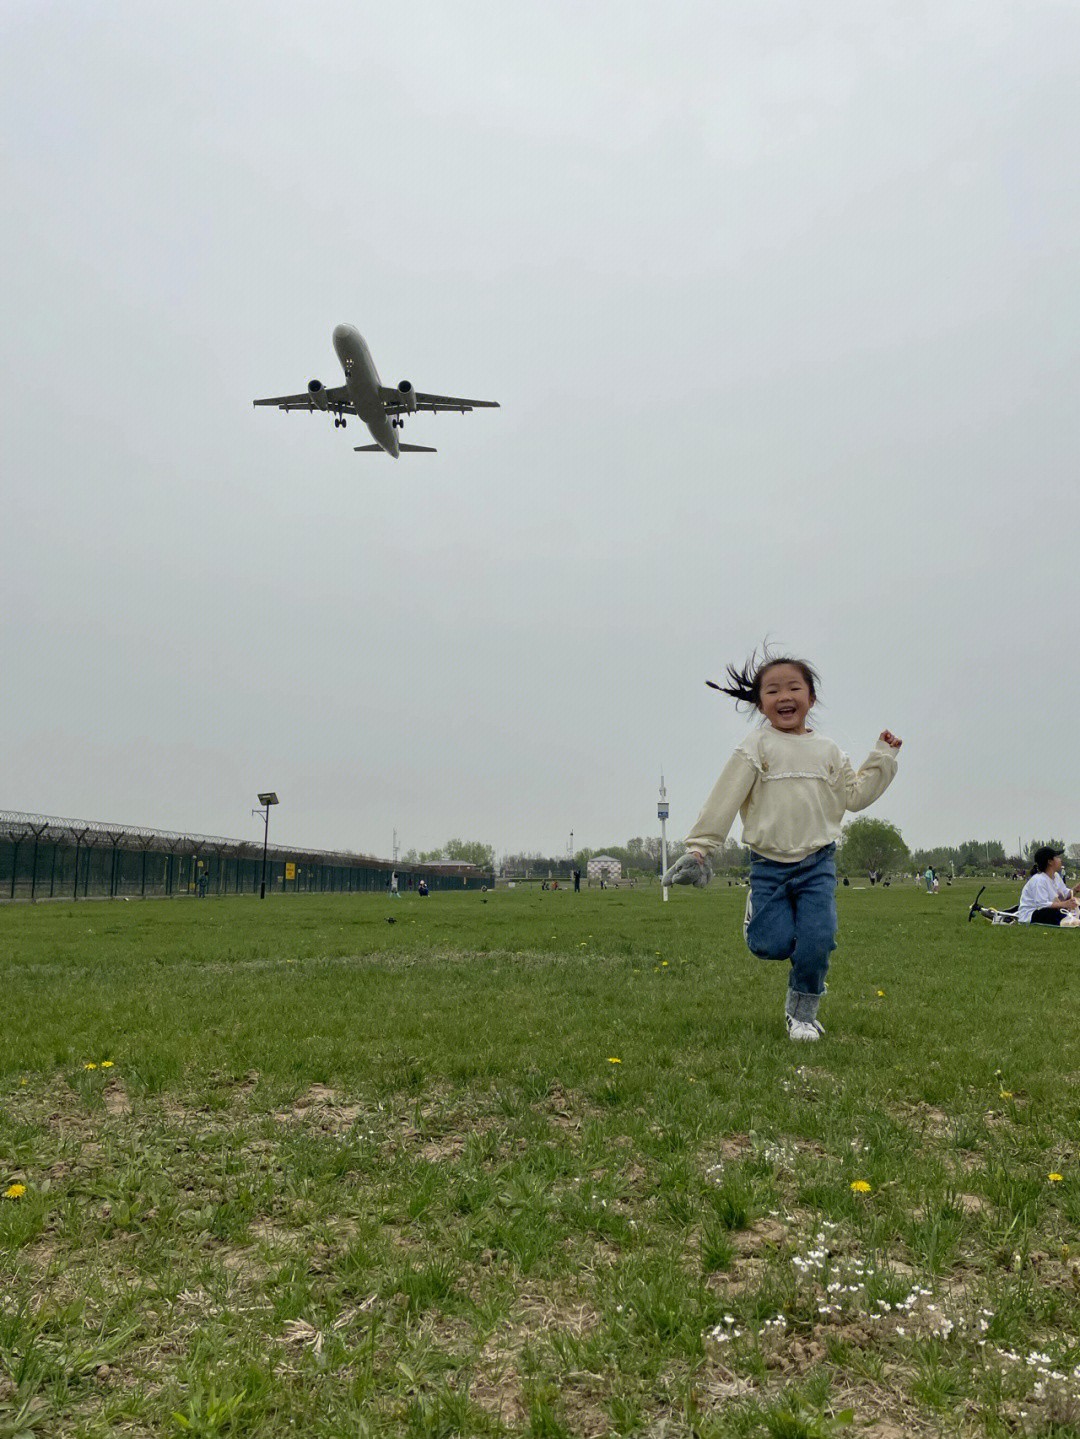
(792, 788)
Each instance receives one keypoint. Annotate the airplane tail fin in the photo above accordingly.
(416, 449)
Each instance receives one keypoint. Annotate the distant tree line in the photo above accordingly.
(468, 851)
(866, 845)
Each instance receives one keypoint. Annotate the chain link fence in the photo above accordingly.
(44, 857)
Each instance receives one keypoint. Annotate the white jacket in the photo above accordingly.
(792, 791)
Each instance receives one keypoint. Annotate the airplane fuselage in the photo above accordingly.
(363, 384)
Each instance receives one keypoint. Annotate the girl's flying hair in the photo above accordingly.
(745, 686)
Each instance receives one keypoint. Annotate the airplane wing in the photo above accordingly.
(337, 399)
(394, 402)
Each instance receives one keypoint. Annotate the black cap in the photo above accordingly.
(1044, 854)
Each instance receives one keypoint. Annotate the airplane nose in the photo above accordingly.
(342, 333)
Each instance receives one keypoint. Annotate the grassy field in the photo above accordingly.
(538, 1164)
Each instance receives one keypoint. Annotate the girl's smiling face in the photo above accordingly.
(786, 698)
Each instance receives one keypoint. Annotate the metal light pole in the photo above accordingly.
(266, 800)
(662, 815)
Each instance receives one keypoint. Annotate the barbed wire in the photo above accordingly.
(17, 825)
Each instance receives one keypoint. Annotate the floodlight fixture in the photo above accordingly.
(266, 800)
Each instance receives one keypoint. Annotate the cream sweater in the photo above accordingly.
(792, 791)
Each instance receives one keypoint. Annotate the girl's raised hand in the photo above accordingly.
(890, 739)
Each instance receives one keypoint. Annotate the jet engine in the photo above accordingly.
(408, 396)
(317, 392)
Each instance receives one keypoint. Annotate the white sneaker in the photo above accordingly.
(802, 1029)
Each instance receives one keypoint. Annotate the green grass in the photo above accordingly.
(340, 1177)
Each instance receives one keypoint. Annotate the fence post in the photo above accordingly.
(80, 835)
(38, 832)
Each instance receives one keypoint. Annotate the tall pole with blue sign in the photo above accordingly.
(662, 814)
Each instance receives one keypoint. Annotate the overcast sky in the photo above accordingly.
(780, 302)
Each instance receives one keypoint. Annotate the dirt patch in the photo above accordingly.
(497, 1387)
(243, 1264)
(450, 1146)
(722, 1388)
(765, 1234)
(746, 1275)
(736, 1146)
(115, 1098)
(321, 1108)
(268, 1231)
(972, 1203)
(927, 1118)
(499, 1394)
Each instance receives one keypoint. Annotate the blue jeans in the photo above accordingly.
(791, 914)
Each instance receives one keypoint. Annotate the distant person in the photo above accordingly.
(577, 881)
(394, 886)
(792, 788)
(422, 889)
(1046, 898)
(929, 878)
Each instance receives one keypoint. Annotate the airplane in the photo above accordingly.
(381, 407)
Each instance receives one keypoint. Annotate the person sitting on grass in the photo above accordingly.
(792, 788)
(1046, 898)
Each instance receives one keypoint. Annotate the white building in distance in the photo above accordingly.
(603, 866)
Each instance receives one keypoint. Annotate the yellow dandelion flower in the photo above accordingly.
(1054, 1178)
(15, 1191)
(614, 1061)
(89, 1064)
(663, 964)
(860, 1186)
(22, 1081)
(107, 1064)
(1006, 1094)
(881, 994)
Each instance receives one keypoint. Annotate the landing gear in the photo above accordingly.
(339, 422)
